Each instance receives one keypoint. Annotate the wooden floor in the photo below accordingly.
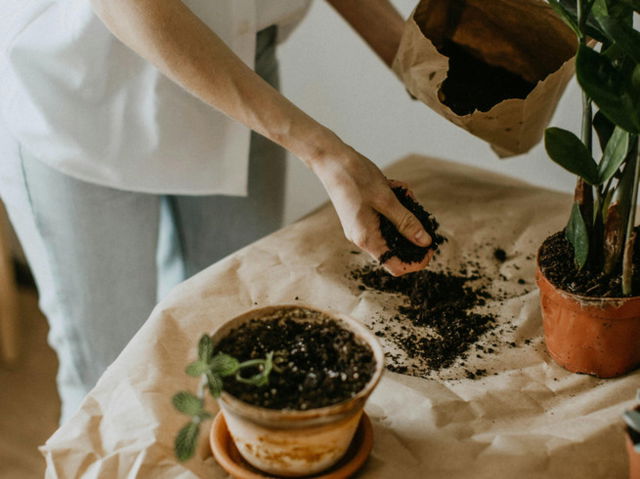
(29, 402)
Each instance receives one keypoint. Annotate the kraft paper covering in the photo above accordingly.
(524, 36)
(528, 418)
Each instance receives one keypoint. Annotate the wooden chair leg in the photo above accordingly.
(9, 317)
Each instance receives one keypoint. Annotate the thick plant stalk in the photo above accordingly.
(627, 262)
(613, 240)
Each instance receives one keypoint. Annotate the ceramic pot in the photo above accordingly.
(296, 443)
(597, 336)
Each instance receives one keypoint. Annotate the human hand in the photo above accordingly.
(359, 192)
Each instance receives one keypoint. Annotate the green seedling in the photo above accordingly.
(212, 368)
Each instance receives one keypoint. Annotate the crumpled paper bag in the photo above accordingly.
(523, 36)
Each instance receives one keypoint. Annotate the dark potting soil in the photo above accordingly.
(398, 245)
(557, 263)
(440, 301)
(472, 84)
(319, 363)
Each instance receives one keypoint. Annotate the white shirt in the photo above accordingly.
(84, 103)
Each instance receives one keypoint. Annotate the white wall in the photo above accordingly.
(329, 72)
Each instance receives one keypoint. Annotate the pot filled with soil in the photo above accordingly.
(589, 274)
(291, 387)
(588, 326)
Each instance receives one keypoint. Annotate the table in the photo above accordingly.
(528, 418)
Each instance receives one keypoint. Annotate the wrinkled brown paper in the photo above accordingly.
(527, 419)
(524, 36)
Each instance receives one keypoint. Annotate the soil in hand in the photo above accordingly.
(556, 260)
(442, 302)
(398, 245)
(318, 363)
(472, 84)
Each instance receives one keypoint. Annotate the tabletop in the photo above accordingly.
(508, 412)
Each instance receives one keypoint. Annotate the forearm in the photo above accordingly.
(376, 21)
(169, 35)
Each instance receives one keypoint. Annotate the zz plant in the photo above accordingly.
(212, 368)
(601, 224)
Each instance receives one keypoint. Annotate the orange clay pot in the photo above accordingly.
(597, 336)
(296, 443)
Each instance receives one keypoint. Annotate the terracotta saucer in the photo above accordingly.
(228, 456)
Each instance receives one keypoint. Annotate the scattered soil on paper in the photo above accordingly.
(319, 363)
(556, 261)
(441, 301)
(398, 245)
(472, 84)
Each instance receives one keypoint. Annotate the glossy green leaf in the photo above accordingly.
(614, 154)
(577, 234)
(568, 151)
(187, 403)
(223, 364)
(624, 36)
(205, 348)
(604, 128)
(186, 441)
(609, 88)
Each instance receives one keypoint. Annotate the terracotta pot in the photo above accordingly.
(296, 443)
(634, 458)
(597, 336)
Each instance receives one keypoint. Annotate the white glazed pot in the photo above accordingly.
(293, 442)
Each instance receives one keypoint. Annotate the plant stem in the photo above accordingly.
(627, 262)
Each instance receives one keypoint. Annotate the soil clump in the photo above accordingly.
(317, 363)
(472, 84)
(398, 245)
(556, 261)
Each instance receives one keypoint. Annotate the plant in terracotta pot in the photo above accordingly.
(291, 383)
(588, 274)
(632, 420)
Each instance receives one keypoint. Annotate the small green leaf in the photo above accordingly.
(578, 236)
(186, 441)
(205, 348)
(215, 384)
(568, 151)
(224, 365)
(632, 418)
(614, 154)
(187, 403)
(197, 368)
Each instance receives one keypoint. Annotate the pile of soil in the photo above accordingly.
(556, 260)
(472, 84)
(441, 301)
(319, 363)
(398, 245)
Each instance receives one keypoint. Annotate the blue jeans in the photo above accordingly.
(102, 257)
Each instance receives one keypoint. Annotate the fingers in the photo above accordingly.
(405, 222)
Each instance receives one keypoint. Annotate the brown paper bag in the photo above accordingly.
(525, 39)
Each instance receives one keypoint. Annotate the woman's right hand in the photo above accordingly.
(360, 192)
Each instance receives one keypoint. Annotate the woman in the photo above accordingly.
(122, 109)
